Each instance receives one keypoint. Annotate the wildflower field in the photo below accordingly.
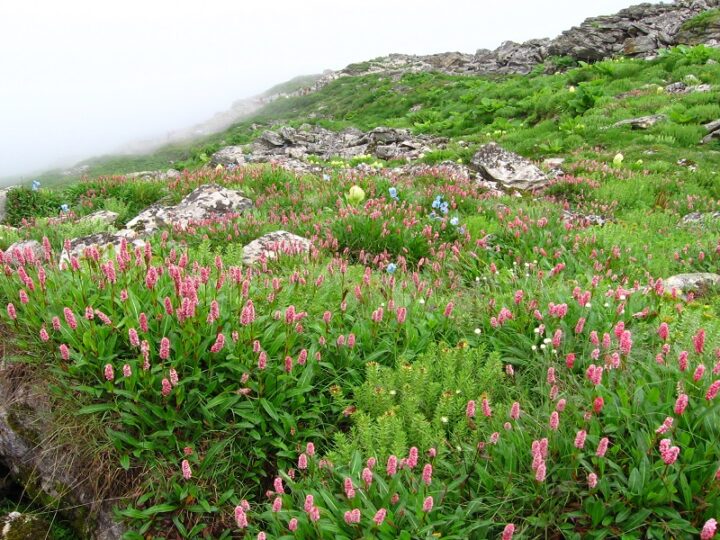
(445, 362)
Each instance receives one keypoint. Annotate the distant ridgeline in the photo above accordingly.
(639, 31)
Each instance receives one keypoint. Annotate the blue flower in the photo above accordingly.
(454, 221)
(391, 268)
(35, 185)
(326, 177)
(64, 207)
(393, 192)
(444, 208)
(437, 202)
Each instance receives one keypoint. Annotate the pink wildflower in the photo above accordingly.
(592, 480)
(580, 439)
(515, 411)
(277, 504)
(240, 517)
(602, 447)
(164, 348)
(470, 409)
(392, 465)
(713, 390)
(508, 531)
(708, 530)
(186, 472)
(427, 474)
(109, 372)
(681, 403)
(349, 488)
(352, 517)
(487, 411)
(380, 517)
(428, 504)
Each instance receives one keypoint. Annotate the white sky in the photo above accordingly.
(83, 77)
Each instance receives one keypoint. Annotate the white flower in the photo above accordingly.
(444, 419)
(622, 297)
(392, 392)
(477, 278)
(534, 347)
(606, 304)
(422, 301)
(477, 331)
(588, 305)
(547, 340)
(542, 346)
(457, 391)
(536, 330)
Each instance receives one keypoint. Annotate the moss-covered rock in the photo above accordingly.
(18, 526)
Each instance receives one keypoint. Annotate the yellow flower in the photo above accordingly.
(356, 195)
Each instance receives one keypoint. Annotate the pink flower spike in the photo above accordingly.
(708, 530)
(186, 472)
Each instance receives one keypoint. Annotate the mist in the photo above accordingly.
(83, 78)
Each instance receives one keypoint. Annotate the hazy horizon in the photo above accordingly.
(81, 79)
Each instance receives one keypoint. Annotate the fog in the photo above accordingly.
(81, 78)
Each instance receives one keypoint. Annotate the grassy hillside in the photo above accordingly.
(537, 115)
(445, 362)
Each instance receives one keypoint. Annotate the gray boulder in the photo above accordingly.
(51, 471)
(106, 242)
(508, 169)
(3, 202)
(641, 122)
(699, 283)
(230, 155)
(205, 202)
(713, 129)
(16, 525)
(23, 252)
(699, 217)
(274, 244)
(585, 220)
(101, 216)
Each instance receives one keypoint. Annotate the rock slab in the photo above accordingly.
(508, 169)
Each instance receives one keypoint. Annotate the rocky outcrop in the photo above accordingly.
(101, 216)
(641, 122)
(695, 218)
(106, 243)
(48, 470)
(681, 87)
(154, 175)
(713, 129)
(24, 252)
(636, 31)
(509, 170)
(585, 220)
(19, 526)
(700, 283)
(229, 156)
(381, 142)
(205, 202)
(639, 30)
(3, 202)
(274, 244)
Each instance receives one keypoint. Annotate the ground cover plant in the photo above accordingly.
(444, 362)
